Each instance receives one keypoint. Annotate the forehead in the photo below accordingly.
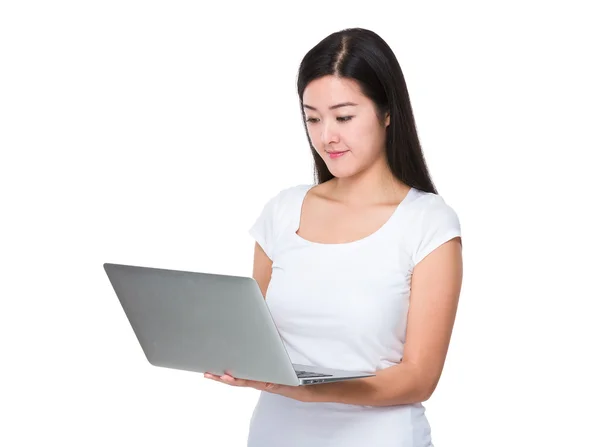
(330, 90)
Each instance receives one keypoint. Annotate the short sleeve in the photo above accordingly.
(263, 229)
(439, 225)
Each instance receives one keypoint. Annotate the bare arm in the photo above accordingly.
(261, 270)
(435, 289)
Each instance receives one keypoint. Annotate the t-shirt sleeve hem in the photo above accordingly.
(259, 238)
(436, 243)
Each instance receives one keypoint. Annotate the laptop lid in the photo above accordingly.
(202, 322)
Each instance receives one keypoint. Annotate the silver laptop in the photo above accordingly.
(206, 322)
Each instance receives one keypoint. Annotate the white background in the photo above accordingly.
(152, 133)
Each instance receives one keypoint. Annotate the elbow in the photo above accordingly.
(426, 395)
(427, 389)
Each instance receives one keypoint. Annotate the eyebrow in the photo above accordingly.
(336, 106)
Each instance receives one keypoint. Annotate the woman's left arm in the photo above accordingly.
(435, 288)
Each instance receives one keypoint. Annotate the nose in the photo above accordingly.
(329, 133)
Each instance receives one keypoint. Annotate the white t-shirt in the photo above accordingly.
(344, 306)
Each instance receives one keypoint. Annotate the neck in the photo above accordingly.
(374, 186)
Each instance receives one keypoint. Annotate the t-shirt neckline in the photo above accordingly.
(407, 199)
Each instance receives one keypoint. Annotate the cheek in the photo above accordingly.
(354, 136)
(314, 136)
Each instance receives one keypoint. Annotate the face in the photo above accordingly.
(339, 118)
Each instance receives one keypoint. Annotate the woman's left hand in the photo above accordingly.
(300, 393)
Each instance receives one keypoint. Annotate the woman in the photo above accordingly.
(340, 261)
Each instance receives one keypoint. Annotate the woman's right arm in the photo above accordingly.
(261, 270)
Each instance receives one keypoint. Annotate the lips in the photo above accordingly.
(334, 155)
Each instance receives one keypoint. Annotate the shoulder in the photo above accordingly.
(283, 196)
(276, 214)
(432, 222)
(281, 200)
(427, 206)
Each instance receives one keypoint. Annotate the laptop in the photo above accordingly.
(207, 322)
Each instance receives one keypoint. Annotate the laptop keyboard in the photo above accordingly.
(305, 374)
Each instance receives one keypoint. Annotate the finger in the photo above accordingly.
(260, 385)
(216, 379)
(228, 378)
(237, 382)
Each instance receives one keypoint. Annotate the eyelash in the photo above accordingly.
(342, 119)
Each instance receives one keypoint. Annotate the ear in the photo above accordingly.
(387, 119)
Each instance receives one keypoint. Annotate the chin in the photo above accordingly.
(343, 173)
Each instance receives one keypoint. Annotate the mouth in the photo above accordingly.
(335, 154)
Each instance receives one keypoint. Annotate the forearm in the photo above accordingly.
(397, 385)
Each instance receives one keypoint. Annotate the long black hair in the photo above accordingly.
(362, 55)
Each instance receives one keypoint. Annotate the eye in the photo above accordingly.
(343, 119)
(311, 120)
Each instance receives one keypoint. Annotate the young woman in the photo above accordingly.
(363, 270)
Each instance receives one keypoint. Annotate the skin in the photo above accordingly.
(363, 185)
